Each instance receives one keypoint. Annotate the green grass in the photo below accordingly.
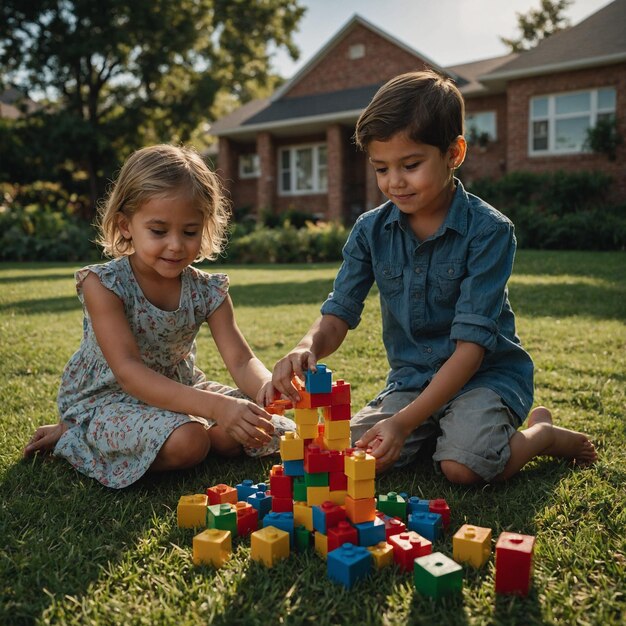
(74, 552)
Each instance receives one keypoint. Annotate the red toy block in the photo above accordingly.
(281, 485)
(439, 505)
(282, 505)
(336, 461)
(316, 460)
(393, 525)
(344, 532)
(332, 514)
(222, 494)
(247, 519)
(336, 412)
(407, 547)
(340, 393)
(514, 563)
(337, 481)
(312, 400)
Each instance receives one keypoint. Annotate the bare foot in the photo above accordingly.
(567, 444)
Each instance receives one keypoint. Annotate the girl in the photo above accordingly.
(131, 398)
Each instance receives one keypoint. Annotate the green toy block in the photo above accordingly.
(435, 575)
(393, 505)
(316, 480)
(222, 516)
(303, 538)
(299, 489)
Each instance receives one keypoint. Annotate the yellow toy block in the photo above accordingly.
(191, 511)
(361, 488)
(382, 554)
(337, 444)
(305, 416)
(337, 430)
(291, 447)
(212, 547)
(269, 545)
(321, 544)
(316, 495)
(306, 431)
(472, 544)
(302, 515)
(360, 465)
(338, 497)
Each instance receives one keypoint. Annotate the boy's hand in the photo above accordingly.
(295, 363)
(246, 423)
(45, 438)
(266, 393)
(385, 441)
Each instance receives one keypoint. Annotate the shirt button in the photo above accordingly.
(450, 272)
(429, 350)
(418, 270)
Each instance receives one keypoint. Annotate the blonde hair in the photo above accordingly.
(160, 171)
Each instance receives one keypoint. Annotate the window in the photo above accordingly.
(303, 169)
(481, 125)
(249, 166)
(559, 122)
(356, 51)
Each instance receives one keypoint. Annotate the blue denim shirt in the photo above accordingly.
(451, 286)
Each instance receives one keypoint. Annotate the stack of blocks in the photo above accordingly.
(324, 493)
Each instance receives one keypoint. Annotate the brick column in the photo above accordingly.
(266, 185)
(372, 193)
(226, 166)
(336, 173)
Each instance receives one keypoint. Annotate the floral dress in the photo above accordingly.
(112, 436)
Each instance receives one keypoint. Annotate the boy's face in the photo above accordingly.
(415, 176)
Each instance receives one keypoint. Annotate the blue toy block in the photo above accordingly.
(294, 468)
(244, 489)
(348, 563)
(415, 505)
(428, 525)
(261, 502)
(320, 381)
(283, 521)
(371, 533)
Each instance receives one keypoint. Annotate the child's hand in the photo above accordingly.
(295, 363)
(266, 394)
(45, 438)
(247, 423)
(385, 441)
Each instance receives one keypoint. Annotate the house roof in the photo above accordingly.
(598, 40)
(469, 85)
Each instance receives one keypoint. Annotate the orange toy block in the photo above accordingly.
(269, 545)
(278, 407)
(360, 465)
(222, 494)
(212, 547)
(191, 511)
(472, 544)
(361, 509)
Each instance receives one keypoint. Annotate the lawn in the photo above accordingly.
(73, 552)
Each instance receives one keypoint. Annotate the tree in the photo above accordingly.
(120, 73)
(538, 24)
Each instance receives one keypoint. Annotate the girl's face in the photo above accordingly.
(166, 233)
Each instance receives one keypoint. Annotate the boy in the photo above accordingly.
(441, 259)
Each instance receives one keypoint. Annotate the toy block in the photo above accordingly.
(312, 400)
(415, 504)
(282, 505)
(319, 440)
(309, 417)
(382, 554)
(244, 489)
(219, 494)
(338, 496)
(317, 495)
(269, 545)
(407, 547)
(428, 525)
(435, 575)
(471, 544)
(337, 430)
(222, 517)
(316, 460)
(349, 563)
(342, 533)
(247, 519)
(514, 563)
(294, 468)
(281, 485)
(303, 538)
(361, 509)
(299, 489)
(337, 444)
(316, 480)
(303, 515)
(283, 521)
(327, 515)
(261, 502)
(360, 466)
(212, 547)
(393, 526)
(306, 431)
(340, 393)
(439, 505)
(337, 481)
(371, 533)
(336, 461)
(321, 544)
(291, 447)
(319, 381)
(278, 407)
(361, 488)
(393, 505)
(337, 413)
(191, 511)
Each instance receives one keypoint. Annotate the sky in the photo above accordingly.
(448, 32)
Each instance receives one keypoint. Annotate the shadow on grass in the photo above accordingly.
(289, 293)
(25, 278)
(33, 306)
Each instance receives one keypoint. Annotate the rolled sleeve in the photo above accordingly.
(476, 329)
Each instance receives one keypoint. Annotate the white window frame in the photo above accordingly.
(291, 150)
(552, 117)
(493, 136)
(256, 166)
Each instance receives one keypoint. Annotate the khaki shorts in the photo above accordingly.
(474, 429)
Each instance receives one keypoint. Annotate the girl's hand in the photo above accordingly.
(45, 438)
(385, 441)
(265, 394)
(295, 363)
(246, 423)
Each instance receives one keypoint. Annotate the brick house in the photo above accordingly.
(530, 112)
